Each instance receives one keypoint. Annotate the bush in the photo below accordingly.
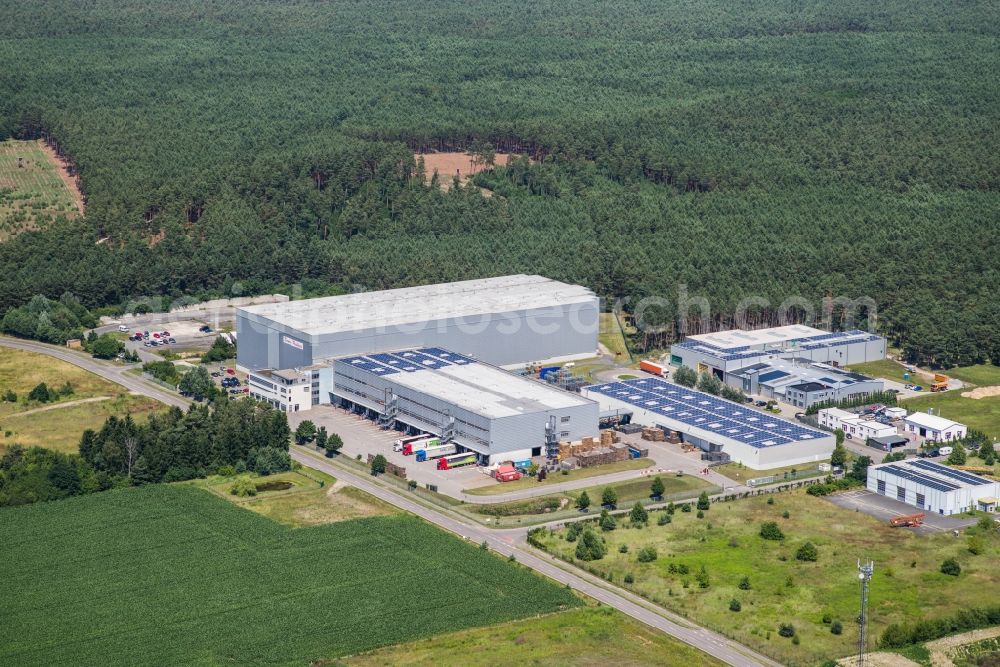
(646, 555)
(609, 497)
(623, 549)
(378, 464)
(590, 546)
(686, 507)
(607, 522)
(629, 579)
(976, 546)
(221, 350)
(951, 567)
(700, 514)
(243, 487)
(807, 552)
(268, 460)
(836, 627)
(664, 519)
(770, 500)
(785, 514)
(744, 584)
(638, 516)
(786, 630)
(734, 605)
(702, 577)
(703, 501)
(769, 530)
(40, 393)
(574, 531)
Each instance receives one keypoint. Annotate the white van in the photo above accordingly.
(945, 451)
(122, 328)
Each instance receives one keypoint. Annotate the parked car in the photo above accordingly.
(216, 374)
(122, 328)
(205, 328)
(156, 335)
(165, 334)
(145, 334)
(760, 404)
(172, 340)
(153, 343)
(146, 343)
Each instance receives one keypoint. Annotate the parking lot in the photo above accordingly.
(362, 436)
(883, 508)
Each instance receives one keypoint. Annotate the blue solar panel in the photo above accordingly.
(772, 375)
(440, 353)
(707, 412)
(960, 475)
(366, 364)
(913, 476)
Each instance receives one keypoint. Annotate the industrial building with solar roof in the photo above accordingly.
(480, 408)
(757, 439)
(933, 487)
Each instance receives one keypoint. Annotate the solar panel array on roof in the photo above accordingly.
(704, 411)
(772, 375)
(960, 475)
(409, 361)
(925, 480)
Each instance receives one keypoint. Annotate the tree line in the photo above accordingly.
(224, 437)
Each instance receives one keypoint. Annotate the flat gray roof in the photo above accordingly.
(726, 340)
(410, 305)
(477, 387)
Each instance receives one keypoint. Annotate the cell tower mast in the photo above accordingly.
(865, 571)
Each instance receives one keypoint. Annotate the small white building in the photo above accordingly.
(288, 390)
(854, 425)
(894, 413)
(933, 487)
(933, 427)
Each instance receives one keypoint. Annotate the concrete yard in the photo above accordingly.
(881, 507)
(362, 436)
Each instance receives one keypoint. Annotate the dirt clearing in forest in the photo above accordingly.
(465, 165)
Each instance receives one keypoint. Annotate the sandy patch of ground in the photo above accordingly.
(464, 165)
(879, 660)
(62, 167)
(941, 650)
(982, 392)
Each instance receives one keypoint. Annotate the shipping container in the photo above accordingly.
(435, 452)
(653, 367)
(414, 447)
(456, 460)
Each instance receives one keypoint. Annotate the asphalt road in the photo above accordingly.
(507, 543)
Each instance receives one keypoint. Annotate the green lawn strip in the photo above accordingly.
(592, 636)
(741, 473)
(190, 578)
(908, 584)
(527, 482)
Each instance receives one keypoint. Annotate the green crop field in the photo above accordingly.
(174, 575)
(589, 636)
(32, 194)
(907, 585)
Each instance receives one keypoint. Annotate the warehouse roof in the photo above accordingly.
(725, 340)
(480, 388)
(410, 305)
(933, 422)
(933, 475)
(697, 409)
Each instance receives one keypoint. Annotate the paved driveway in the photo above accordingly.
(883, 508)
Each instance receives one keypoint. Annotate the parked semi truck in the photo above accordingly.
(653, 367)
(435, 452)
(402, 442)
(411, 448)
(456, 460)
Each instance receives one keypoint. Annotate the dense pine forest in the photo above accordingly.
(772, 149)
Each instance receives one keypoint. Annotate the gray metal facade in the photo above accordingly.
(496, 439)
(503, 339)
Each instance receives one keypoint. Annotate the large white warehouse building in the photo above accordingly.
(481, 408)
(757, 439)
(933, 487)
(505, 321)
